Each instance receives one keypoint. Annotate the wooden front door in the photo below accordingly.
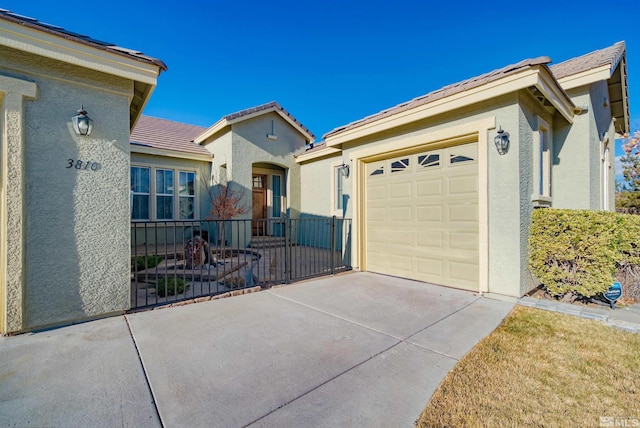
(259, 205)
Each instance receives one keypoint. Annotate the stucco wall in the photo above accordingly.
(576, 175)
(76, 220)
(317, 184)
(244, 146)
(529, 113)
(250, 145)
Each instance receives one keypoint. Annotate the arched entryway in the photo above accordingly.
(268, 197)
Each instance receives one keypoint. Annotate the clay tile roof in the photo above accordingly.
(167, 135)
(610, 55)
(7, 15)
(444, 92)
(272, 104)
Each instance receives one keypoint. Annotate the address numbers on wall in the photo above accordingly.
(83, 165)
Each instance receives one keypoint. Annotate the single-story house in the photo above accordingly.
(431, 196)
(440, 188)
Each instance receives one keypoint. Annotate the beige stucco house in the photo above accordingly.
(432, 195)
(64, 198)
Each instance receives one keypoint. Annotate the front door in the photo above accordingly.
(259, 205)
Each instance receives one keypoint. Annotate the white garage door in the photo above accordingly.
(422, 216)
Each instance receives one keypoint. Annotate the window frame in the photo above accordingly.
(276, 198)
(542, 164)
(605, 174)
(176, 197)
(170, 196)
(188, 195)
(136, 193)
(337, 188)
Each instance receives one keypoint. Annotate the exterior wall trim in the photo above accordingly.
(586, 77)
(12, 201)
(473, 130)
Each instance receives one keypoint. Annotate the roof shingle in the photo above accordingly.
(272, 104)
(167, 135)
(610, 55)
(444, 92)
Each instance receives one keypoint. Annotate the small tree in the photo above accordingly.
(628, 195)
(227, 203)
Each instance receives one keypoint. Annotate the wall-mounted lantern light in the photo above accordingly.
(82, 124)
(344, 170)
(502, 141)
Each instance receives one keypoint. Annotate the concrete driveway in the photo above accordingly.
(358, 349)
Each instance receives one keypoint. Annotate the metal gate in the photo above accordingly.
(174, 261)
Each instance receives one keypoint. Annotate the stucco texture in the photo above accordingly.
(245, 147)
(76, 194)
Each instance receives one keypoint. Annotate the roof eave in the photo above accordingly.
(170, 153)
(224, 122)
(586, 77)
(533, 76)
(327, 151)
(42, 43)
(211, 131)
(277, 110)
(35, 40)
(555, 94)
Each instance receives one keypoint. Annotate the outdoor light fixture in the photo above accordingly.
(502, 141)
(82, 124)
(344, 170)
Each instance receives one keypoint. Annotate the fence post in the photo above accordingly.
(332, 249)
(287, 249)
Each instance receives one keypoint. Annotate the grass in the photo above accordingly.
(541, 368)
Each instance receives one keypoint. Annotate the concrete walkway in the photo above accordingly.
(352, 350)
(625, 318)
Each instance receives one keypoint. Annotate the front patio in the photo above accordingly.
(163, 274)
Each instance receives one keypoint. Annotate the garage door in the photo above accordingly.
(422, 216)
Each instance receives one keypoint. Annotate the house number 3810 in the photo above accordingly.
(83, 165)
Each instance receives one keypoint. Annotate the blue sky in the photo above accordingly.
(331, 62)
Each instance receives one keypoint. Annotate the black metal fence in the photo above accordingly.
(173, 261)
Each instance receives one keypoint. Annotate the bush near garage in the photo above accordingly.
(581, 253)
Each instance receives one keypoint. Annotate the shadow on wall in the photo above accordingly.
(52, 263)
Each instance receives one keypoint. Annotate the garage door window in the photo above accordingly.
(429, 160)
(378, 171)
(462, 154)
(401, 165)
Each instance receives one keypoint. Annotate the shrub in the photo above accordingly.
(170, 286)
(580, 252)
(147, 262)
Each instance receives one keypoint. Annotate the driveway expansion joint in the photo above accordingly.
(144, 371)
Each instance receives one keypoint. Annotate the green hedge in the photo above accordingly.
(580, 252)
